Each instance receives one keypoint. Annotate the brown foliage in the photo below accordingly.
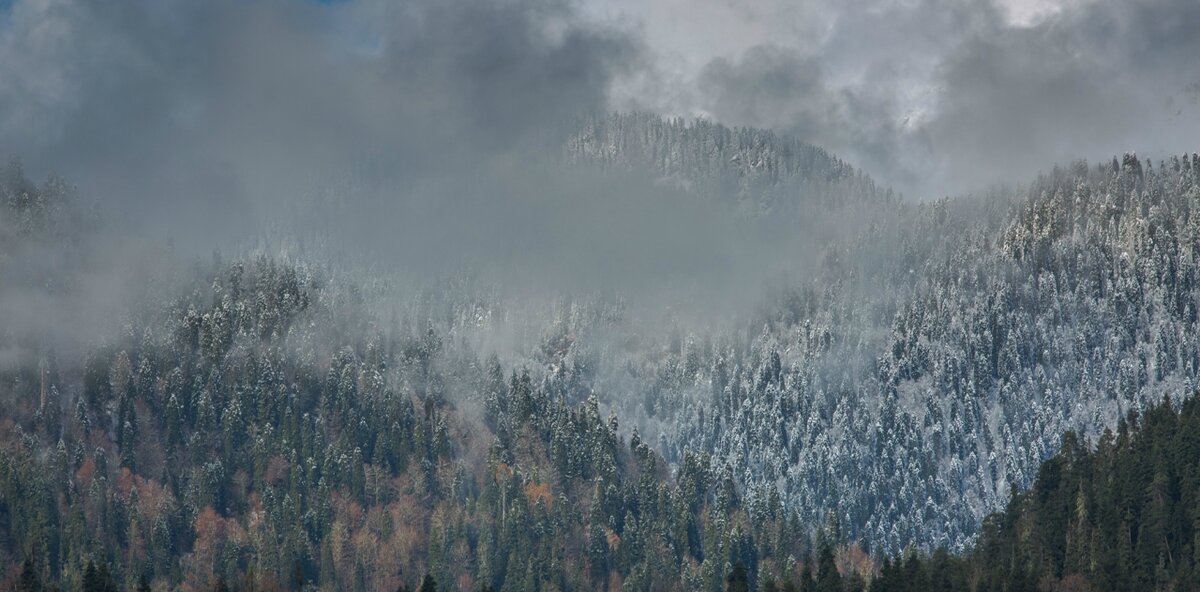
(539, 491)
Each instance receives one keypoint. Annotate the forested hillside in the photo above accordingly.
(259, 428)
(270, 418)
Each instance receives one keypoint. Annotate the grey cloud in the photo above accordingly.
(777, 87)
(771, 86)
(210, 111)
(394, 125)
(1093, 81)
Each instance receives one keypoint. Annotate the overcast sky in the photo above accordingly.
(195, 99)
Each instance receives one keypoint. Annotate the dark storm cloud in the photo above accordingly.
(940, 97)
(213, 111)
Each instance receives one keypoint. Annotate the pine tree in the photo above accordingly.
(29, 580)
(738, 579)
(428, 584)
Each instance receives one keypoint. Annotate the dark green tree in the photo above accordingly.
(738, 580)
(428, 584)
(29, 580)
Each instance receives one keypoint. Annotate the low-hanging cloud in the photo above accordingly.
(409, 140)
(211, 125)
(407, 127)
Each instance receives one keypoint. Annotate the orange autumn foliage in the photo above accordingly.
(212, 533)
(614, 540)
(503, 471)
(536, 491)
